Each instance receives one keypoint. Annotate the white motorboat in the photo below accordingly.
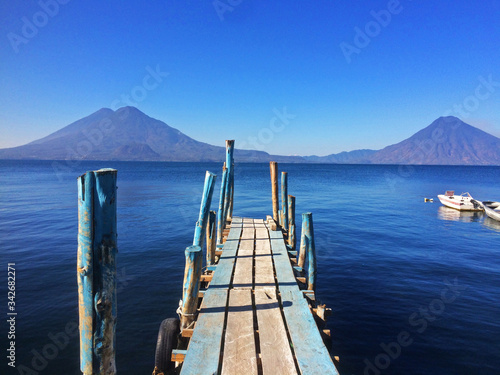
(492, 209)
(462, 202)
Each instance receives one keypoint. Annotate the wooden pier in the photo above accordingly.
(250, 310)
(254, 318)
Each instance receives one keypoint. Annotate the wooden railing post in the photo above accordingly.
(284, 200)
(206, 201)
(274, 185)
(96, 267)
(291, 222)
(220, 213)
(211, 238)
(191, 285)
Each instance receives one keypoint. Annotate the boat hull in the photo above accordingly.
(459, 202)
(494, 214)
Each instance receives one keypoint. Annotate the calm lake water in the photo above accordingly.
(391, 267)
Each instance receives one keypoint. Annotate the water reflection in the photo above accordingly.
(492, 224)
(446, 213)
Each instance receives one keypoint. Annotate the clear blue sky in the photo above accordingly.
(348, 76)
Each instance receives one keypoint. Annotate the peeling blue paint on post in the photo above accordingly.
(206, 201)
(291, 223)
(85, 269)
(284, 200)
(105, 250)
(220, 213)
(230, 179)
(97, 250)
(230, 166)
(191, 285)
(309, 247)
(211, 239)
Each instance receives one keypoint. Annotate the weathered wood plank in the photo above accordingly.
(276, 355)
(243, 273)
(312, 355)
(284, 271)
(264, 272)
(224, 271)
(240, 356)
(203, 353)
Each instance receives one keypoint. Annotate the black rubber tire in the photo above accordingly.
(168, 336)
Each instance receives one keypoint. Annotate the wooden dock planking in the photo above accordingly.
(284, 271)
(310, 351)
(224, 270)
(264, 272)
(276, 355)
(240, 355)
(243, 273)
(204, 348)
(312, 356)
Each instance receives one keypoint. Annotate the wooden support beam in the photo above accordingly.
(206, 278)
(291, 222)
(187, 332)
(211, 238)
(274, 186)
(96, 266)
(178, 355)
(191, 285)
(284, 200)
(206, 201)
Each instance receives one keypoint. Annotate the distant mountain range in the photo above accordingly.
(130, 135)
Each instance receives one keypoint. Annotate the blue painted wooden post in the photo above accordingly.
(105, 250)
(307, 246)
(284, 200)
(191, 285)
(211, 238)
(85, 268)
(220, 213)
(230, 178)
(206, 201)
(97, 251)
(291, 223)
(274, 186)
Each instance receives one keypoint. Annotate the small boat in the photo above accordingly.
(492, 209)
(462, 202)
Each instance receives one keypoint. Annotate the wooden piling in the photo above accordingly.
(220, 213)
(211, 238)
(308, 237)
(206, 201)
(97, 249)
(85, 267)
(274, 185)
(230, 167)
(191, 285)
(284, 200)
(230, 179)
(291, 222)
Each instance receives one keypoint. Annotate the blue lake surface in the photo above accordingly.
(391, 267)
